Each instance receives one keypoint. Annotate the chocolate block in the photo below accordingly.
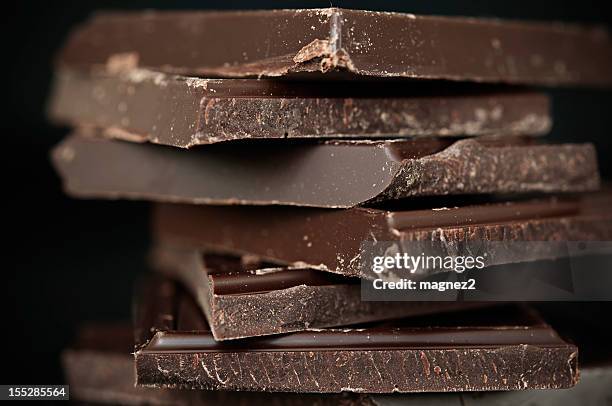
(140, 105)
(97, 372)
(331, 240)
(278, 42)
(515, 351)
(328, 174)
(243, 297)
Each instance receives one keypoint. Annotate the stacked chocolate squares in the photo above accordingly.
(275, 143)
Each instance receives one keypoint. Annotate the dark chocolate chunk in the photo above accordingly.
(277, 42)
(139, 105)
(245, 299)
(328, 174)
(104, 374)
(503, 350)
(331, 240)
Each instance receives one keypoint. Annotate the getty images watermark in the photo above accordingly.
(410, 264)
(486, 271)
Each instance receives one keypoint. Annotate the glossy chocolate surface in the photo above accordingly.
(332, 174)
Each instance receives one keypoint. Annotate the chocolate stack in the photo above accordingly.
(287, 139)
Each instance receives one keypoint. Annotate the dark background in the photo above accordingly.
(71, 261)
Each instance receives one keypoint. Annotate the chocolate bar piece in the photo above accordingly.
(102, 371)
(328, 174)
(278, 42)
(331, 240)
(140, 105)
(503, 350)
(244, 297)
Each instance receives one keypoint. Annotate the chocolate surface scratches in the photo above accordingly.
(141, 105)
(380, 44)
(243, 297)
(467, 353)
(331, 240)
(104, 374)
(333, 174)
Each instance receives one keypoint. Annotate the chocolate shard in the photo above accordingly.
(278, 42)
(333, 174)
(244, 297)
(512, 350)
(331, 240)
(141, 105)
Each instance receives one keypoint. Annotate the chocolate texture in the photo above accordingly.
(335, 174)
(331, 240)
(141, 105)
(379, 44)
(516, 351)
(102, 371)
(244, 297)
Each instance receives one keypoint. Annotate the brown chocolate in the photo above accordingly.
(334, 174)
(331, 240)
(278, 42)
(104, 374)
(516, 351)
(250, 299)
(140, 105)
